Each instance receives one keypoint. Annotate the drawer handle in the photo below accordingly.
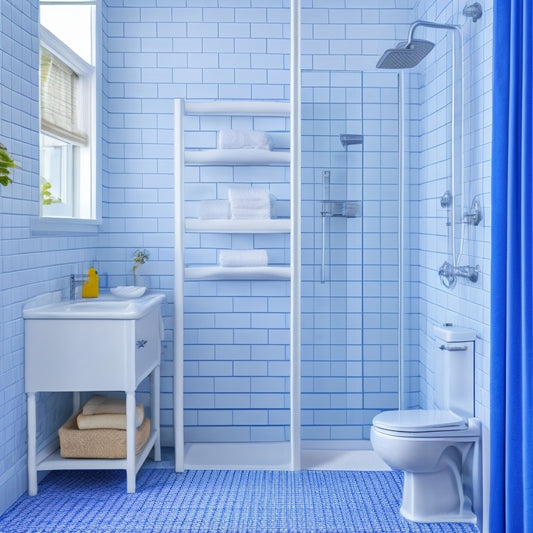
(141, 343)
(453, 348)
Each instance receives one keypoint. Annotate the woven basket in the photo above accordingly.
(98, 443)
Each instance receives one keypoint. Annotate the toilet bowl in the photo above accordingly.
(434, 449)
(438, 449)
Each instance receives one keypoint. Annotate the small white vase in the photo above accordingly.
(137, 279)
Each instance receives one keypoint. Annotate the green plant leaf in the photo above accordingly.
(47, 198)
(6, 163)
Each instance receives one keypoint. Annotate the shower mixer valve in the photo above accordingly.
(473, 217)
(449, 273)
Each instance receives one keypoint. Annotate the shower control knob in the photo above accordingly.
(446, 199)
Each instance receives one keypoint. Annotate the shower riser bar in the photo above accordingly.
(325, 198)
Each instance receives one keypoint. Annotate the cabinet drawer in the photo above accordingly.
(79, 355)
(86, 355)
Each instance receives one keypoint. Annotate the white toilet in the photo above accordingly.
(439, 449)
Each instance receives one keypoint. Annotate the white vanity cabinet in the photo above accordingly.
(93, 346)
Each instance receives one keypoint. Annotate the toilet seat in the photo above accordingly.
(430, 423)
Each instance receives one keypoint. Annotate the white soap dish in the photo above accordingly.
(130, 291)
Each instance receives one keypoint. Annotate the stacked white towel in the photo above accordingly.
(250, 203)
(213, 210)
(234, 139)
(243, 258)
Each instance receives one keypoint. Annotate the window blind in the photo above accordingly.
(60, 99)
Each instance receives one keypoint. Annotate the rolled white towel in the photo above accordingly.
(213, 210)
(231, 139)
(243, 258)
(249, 203)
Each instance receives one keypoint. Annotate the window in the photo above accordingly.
(68, 110)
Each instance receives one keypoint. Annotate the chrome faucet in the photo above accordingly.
(74, 282)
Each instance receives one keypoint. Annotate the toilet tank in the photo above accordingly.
(454, 356)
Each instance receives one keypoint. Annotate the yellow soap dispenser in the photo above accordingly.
(90, 288)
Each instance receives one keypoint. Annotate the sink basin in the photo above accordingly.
(104, 307)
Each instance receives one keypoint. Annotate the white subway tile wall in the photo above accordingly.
(468, 304)
(30, 265)
(237, 332)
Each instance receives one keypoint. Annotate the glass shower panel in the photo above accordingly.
(350, 252)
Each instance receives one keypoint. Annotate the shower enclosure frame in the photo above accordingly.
(295, 400)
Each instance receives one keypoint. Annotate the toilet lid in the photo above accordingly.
(414, 420)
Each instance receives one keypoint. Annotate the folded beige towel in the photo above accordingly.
(109, 420)
(99, 404)
(107, 413)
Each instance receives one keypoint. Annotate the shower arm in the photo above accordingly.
(428, 24)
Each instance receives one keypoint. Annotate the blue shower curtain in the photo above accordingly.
(511, 495)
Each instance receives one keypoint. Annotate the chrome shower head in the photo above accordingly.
(409, 53)
(405, 55)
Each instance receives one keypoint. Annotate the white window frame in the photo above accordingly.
(91, 80)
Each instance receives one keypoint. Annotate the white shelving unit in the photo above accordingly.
(290, 452)
(238, 273)
(274, 225)
(246, 156)
(228, 157)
